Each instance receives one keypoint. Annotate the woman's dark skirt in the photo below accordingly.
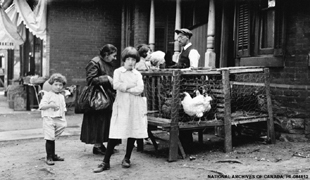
(95, 126)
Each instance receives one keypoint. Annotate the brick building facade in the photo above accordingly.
(77, 29)
(291, 83)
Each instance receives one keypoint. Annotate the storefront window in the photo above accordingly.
(32, 55)
(16, 65)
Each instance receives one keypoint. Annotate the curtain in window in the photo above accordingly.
(34, 20)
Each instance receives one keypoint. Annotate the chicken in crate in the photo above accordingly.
(193, 100)
(193, 103)
(196, 106)
(197, 99)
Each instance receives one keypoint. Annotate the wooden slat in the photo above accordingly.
(156, 121)
(238, 71)
(193, 125)
(249, 120)
(220, 110)
(218, 91)
(246, 83)
(218, 95)
(242, 69)
(227, 112)
(163, 72)
(220, 105)
(174, 128)
(270, 123)
(169, 72)
(245, 117)
(159, 93)
(153, 92)
(165, 123)
(200, 72)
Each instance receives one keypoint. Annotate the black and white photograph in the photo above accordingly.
(154, 89)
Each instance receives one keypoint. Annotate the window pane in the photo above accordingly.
(38, 56)
(267, 34)
(160, 39)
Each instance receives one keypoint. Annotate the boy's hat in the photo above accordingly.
(184, 31)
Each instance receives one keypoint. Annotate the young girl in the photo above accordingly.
(53, 107)
(129, 108)
(144, 53)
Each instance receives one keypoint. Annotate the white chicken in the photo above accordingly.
(196, 106)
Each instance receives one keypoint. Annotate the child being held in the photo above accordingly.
(53, 107)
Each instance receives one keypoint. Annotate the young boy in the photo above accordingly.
(53, 107)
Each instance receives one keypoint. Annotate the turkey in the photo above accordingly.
(197, 106)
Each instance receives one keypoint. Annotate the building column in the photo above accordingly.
(177, 26)
(152, 27)
(210, 54)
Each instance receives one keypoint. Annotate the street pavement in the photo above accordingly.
(19, 125)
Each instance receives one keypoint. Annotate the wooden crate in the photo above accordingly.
(224, 85)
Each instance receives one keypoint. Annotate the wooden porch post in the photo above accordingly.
(177, 26)
(224, 36)
(210, 54)
(152, 27)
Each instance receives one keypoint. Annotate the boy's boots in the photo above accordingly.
(49, 152)
(54, 156)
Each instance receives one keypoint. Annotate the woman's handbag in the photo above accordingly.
(92, 98)
(82, 101)
(99, 99)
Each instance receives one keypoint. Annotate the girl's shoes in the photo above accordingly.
(102, 167)
(126, 163)
(106, 166)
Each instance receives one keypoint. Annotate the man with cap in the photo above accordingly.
(189, 57)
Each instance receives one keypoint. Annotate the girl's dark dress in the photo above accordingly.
(96, 124)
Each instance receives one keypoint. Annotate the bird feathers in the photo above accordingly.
(196, 106)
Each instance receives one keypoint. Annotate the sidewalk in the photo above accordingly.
(19, 125)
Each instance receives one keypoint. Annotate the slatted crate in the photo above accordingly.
(240, 95)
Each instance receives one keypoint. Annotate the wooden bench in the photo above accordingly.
(161, 85)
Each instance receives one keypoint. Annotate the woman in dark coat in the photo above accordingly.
(96, 124)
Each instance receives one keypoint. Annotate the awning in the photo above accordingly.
(9, 32)
(18, 16)
(6, 42)
(34, 20)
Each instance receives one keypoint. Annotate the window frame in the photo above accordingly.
(253, 53)
(267, 50)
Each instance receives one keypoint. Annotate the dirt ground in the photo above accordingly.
(250, 159)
